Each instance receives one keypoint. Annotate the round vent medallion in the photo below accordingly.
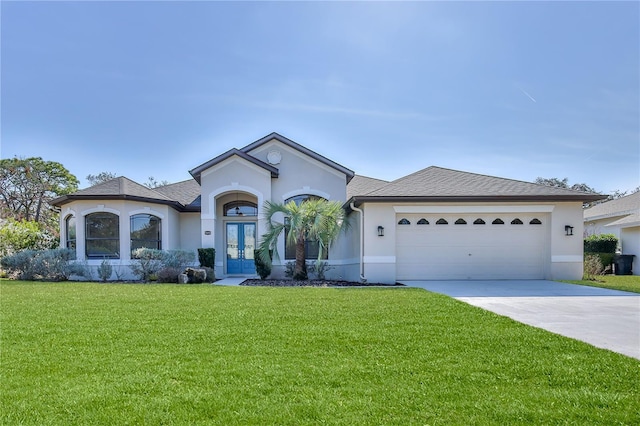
(274, 157)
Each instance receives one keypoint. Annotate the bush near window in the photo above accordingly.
(147, 262)
(50, 265)
(105, 270)
(19, 235)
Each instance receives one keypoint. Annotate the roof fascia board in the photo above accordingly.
(65, 199)
(471, 199)
(197, 171)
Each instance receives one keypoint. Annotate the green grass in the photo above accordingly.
(88, 353)
(615, 282)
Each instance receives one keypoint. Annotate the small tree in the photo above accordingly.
(313, 219)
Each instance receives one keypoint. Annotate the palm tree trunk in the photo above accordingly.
(300, 272)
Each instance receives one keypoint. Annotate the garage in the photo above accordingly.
(471, 247)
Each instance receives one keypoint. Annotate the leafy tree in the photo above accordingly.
(313, 219)
(100, 178)
(153, 183)
(564, 183)
(16, 236)
(27, 185)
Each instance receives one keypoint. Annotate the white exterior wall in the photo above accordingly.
(124, 210)
(564, 254)
(630, 238)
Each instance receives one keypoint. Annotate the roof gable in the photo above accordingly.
(288, 142)
(197, 172)
(436, 183)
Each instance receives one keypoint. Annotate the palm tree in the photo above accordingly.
(311, 220)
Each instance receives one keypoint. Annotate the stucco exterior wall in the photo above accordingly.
(567, 251)
(630, 238)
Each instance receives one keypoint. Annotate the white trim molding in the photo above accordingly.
(234, 187)
(379, 259)
(305, 190)
(566, 259)
(534, 208)
(100, 208)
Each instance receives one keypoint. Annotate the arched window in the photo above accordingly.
(70, 232)
(146, 232)
(311, 247)
(479, 221)
(423, 221)
(442, 221)
(404, 221)
(516, 221)
(498, 221)
(535, 221)
(461, 221)
(102, 236)
(240, 208)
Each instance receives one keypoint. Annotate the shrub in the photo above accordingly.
(211, 274)
(320, 268)
(146, 262)
(17, 236)
(592, 267)
(22, 265)
(105, 270)
(52, 264)
(178, 259)
(168, 275)
(602, 243)
(207, 257)
(262, 268)
(289, 267)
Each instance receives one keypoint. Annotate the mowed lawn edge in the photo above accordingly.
(88, 353)
(629, 283)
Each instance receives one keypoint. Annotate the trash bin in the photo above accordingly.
(623, 264)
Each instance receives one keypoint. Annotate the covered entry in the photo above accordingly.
(471, 247)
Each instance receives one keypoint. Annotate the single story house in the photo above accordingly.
(620, 217)
(434, 224)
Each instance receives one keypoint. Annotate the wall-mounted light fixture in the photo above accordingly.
(568, 230)
(380, 231)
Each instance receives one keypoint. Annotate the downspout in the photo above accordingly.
(354, 208)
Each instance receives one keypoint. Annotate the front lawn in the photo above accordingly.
(88, 353)
(614, 282)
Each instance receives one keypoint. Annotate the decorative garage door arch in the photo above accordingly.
(472, 246)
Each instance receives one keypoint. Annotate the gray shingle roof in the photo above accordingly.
(362, 185)
(186, 193)
(117, 188)
(436, 183)
(619, 207)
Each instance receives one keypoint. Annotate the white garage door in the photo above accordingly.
(461, 247)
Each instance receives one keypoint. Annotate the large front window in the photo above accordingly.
(311, 247)
(70, 232)
(102, 236)
(146, 232)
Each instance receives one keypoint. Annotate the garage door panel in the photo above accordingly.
(470, 251)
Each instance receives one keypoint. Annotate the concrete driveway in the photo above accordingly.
(608, 319)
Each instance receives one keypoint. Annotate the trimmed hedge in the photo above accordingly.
(207, 257)
(602, 243)
(262, 268)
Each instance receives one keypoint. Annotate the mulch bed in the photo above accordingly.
(310, 283)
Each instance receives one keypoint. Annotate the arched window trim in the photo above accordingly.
(423, 221)
(240, 208)
(152, 243)
(70, 232)
(404, 221)
(109, 243)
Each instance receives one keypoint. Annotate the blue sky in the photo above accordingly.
(510, 89)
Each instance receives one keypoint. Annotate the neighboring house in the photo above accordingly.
(620, 217)
(433, 224)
